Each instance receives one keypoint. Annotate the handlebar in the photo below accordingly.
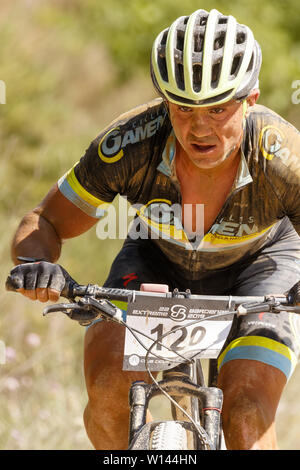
(95, 301)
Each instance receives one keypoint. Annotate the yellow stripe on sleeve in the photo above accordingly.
(81, 192)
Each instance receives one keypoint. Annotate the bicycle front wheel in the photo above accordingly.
(169, 435)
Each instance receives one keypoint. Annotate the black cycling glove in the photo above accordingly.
(293, 294)
(30, 276)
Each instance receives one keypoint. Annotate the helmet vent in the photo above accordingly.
(223, 20)
(240, 38)
(180, 40)
(219, 41)
(236, 65)
(197, 77)
(164, 38)
(250, 66)
(179, 76)
(198, 42)
(162, 64)
(216, 71)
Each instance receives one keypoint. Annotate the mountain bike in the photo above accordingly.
(170, 332)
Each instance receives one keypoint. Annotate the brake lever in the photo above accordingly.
(83, 315)
(280, 308)
(87, 310)
(59, 308)
(272, 305)
(107, 308)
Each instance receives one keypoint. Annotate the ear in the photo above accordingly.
(166, 104)
(253, 97)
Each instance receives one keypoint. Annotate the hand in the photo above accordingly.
(41, 281)
(294, 294)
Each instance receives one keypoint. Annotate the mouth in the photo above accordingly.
(203, 148)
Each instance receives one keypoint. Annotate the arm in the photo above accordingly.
(41, 231)
(95, 180)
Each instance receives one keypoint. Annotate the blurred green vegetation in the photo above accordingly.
(70, 67)
(128, 27)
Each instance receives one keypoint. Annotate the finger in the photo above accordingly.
(30, 281)
(42, 294)
(21, 291)
(53, 295)
(30, 294)
(27, 293)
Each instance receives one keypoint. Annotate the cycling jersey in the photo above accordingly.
(135, 156)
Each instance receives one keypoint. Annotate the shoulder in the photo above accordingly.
(274, 157)
(141, 114)
(272, 136)
(133, 129)
(118, 159)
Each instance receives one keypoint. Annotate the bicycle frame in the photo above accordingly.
(181, 383)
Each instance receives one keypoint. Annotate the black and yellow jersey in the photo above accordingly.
(134, 157)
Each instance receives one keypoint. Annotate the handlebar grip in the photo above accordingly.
(69, 289)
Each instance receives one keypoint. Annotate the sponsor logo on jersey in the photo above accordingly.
(270, 141)
(111, 146)
(109, 149)
(164, 219)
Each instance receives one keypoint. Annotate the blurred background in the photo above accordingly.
(70, 67)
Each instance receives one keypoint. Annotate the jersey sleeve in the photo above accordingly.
(290, 159)
(279, 144)
(116, 162)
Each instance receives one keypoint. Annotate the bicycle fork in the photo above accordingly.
(198, 401)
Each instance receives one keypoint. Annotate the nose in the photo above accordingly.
(201, 125)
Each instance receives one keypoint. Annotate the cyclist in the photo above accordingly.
(204, 143)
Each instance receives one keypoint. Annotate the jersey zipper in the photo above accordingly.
(194, 254)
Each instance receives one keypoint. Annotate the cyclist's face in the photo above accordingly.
(208, 135)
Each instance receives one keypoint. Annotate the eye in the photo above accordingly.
(217, 110)
(185, 109)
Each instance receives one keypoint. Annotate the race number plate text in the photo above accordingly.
(194, 329)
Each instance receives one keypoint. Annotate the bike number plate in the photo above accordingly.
(193, 330)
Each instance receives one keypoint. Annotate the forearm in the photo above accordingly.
(36, 238)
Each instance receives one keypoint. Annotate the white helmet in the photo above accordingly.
(204, 59)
